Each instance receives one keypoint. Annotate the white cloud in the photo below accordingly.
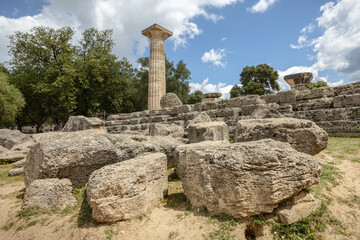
(214, 57)
(126, 17)
(338, 47)
(207, 87)
(261, 6)
(223, 39)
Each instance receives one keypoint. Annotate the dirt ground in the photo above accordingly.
(174, 218)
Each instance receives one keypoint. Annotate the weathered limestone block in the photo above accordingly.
(11, 156)
(313, 104)
(72, 155)
(132, 146)
(252, 100)
(208, 131)
(78, 123)
(341, 128)
(185, 108)
(3, 150)
(9, 138)
(286, 97)
(347, 100)
(154, 112)
(324, 92)
(228, 112)
(16, 171)
(303, 135)
(161, 129)
(243, 179)
(128, 189)
(330, 114)
(200, 118)
(301, 206)
(266, 111)
(210, 106)
(19, 164)
(170, 100)
(49, 193)
(270, 98)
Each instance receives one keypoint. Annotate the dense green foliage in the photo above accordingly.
(318, 84)
(58, 78)
(195, 97)
(11, 101)
(256, 80)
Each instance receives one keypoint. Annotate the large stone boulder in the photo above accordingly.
(132, 146)
(208, 131)
(3, 150)
(161, 129)
(200, 118)
(49, 193)
(303, 135)
(72, 155)
(243, 179)
(126, 190)
(266, 111)
(78, 123)
(10, 156)
(16, 171)
(9, 138)
(170, 100)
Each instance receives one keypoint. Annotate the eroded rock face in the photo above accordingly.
(265, 111)
(132, 146)
(170, 100)
(126, 190)
(303, 135)
(9, 138)
(49, 193)
(79, 123)
(16, 171)
(200, 118)
(208, 131)
(72, 155)
(243, 179)
(160, 129)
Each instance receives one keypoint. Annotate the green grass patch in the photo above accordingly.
(225, 227)
(110, 233)
(4, 175)
(7, 226)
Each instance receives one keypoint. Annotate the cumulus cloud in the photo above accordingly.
(338, 47)
(126, 18)
(261, 6)
(214, 57)
(207, 87)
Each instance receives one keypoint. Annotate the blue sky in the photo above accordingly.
(215, 38)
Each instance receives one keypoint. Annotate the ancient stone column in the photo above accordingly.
(299, 81)
(157, 78)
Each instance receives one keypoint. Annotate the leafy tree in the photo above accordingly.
(318, 84)
(11, 101)
(42, 68)
(176, 81)
(257, 80)
(102, 81)
(236, 91)
(195, 97)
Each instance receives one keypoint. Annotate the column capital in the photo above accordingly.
(156, 31)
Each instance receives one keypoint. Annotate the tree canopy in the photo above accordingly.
(195, 97)
(318, 84)
(11, 101)
(260, 80)
(59, 78)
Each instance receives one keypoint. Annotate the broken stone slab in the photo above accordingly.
(161, 129)
(170, 100)
(3, 150)
(16, 171)
(9, 157)
(200, 118)
(19, 164)
(303, 135)
(243, 179)
(301, 206)
(49, 193)
(9, 138)
(72, 155)
(208, 131)
(132, 146)
(79, 123)
(23, 147)
(126, 190)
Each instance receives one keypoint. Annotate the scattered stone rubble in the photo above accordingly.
(269, 166)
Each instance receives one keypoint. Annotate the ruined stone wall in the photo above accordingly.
(337, 110)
